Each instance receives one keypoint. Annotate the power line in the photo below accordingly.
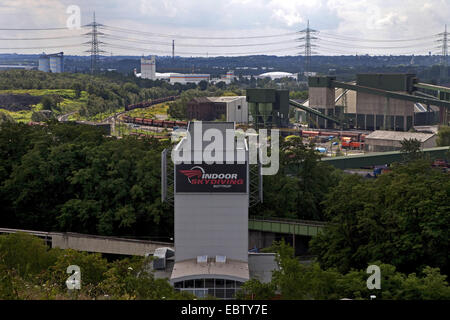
(37, 39)
(428, 44)
(33, 29)
(193, 37)
(114, 37)
(347, 38)
(197, 53)
(44, 47)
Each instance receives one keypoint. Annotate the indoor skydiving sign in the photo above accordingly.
(211, 178)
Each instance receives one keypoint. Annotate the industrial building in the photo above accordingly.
(234, 109)
(188, 78)
(228, 78)
(204, 109)
(373, 102)
(211, 204)
(382, 141)
(51, 62)
(148, 68)
(268, 107)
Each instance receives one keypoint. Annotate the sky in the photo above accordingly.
(345, 26)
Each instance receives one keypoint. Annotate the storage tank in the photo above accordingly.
(44, 63)
(57, 63)
(265, 109)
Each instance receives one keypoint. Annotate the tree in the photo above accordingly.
(299, 281)
(411, 147)
(401, 217)
(203, 85)
(298, 189)
(5, 118)
(77, 87)
(26, 254)
(48, 103)
(443, 136)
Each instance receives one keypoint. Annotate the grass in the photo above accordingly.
(69, 103)
(151, 112)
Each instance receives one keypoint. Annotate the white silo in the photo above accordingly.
(57, 62)
(44, 63)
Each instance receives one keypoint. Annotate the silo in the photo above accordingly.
(57, 63)
(44, 63)
(265, 109)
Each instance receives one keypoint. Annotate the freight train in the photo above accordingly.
(154, 122)
(150, 103)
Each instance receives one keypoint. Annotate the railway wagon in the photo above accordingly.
(154, 122)
(150, 103)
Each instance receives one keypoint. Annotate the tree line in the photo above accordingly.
(67, 177)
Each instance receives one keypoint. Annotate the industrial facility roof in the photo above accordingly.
(399, 136)
(224, 99)
(190, 269)
(419, 107)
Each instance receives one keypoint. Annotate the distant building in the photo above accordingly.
(277, 75)
(204, 109)
(14, 66)
(235, 109)
(367, 111)
(148, 68)
(44, 63)
(381, 140)
(188, 78)
(51, 62)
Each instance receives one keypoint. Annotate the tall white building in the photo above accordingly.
(148, 68)
(51, 62)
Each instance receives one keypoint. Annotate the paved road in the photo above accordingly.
(66, 116)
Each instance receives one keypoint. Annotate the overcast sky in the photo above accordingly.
(361, 19)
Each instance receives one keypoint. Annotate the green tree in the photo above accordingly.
(92, 267)
(411, 148)
(25, 254)
(78, 88)
(298, 189)
(48, 103)
(132, 279)
(443, 136)
(203, 85)
(401, 217)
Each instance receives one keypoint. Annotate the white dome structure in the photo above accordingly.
(277, 75)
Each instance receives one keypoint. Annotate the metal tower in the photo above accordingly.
(444, 55)
(95, 50)
(173, 50)
(308, 36)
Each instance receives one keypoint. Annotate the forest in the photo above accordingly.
(67, 177)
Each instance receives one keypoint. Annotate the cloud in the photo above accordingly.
(367, 19)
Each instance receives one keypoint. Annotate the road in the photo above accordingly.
(65, 117)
